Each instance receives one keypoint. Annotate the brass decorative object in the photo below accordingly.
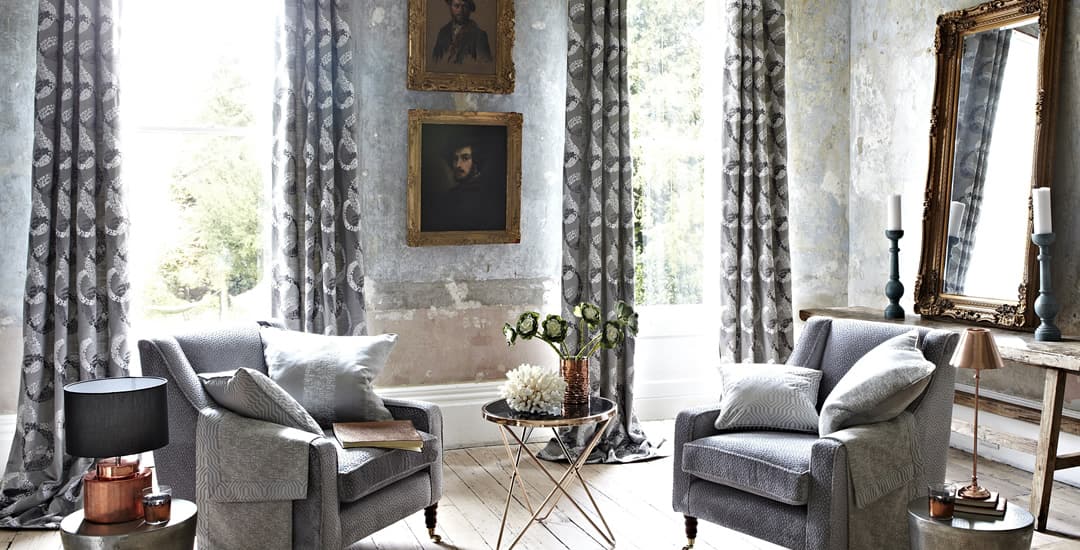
(576, 374)
(930, 297)
(425, 73)
(976, 351)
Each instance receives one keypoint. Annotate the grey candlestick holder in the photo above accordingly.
(1046, 306)
(894, 289)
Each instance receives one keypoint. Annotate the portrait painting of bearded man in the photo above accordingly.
(461, 45)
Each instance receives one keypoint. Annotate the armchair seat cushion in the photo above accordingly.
(364, 470)
(774, 465)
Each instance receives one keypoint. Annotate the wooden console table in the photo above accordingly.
(1058, 358)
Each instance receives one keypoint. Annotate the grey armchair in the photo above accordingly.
(348, 493)
(792, 488)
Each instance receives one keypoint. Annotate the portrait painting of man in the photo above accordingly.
(465, 177)
(461, 45)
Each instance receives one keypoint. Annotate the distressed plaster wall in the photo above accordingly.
(17, 62)
(448, 303)
(818, 102)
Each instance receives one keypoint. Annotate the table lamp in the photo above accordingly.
(107, 419)
(978, 351)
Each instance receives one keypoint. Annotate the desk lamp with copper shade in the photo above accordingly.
(107, 419)
(976, 351)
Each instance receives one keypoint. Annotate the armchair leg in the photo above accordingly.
(429, 521)
(691, 532)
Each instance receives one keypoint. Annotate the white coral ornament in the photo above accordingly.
(534, 389)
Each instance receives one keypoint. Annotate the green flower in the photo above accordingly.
(527, 324)
(611, 334)
(589, 313)
(555, 329)
(510, 334)
(623, 310)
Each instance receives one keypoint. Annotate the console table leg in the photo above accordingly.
(1046, 456)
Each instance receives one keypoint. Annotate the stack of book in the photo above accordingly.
(992, 508)
(388, 434)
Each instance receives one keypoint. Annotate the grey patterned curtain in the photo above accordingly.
(318, 262)
(76, 319)
(598, 214)
(982, 71)
(755, 283)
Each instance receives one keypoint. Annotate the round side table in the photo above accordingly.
(968, 532)
(178, 534)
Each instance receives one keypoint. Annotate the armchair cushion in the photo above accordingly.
(774, 465)
(250, 393)
(879, 386)
(364, 470)
(331, 376)
(765, 396)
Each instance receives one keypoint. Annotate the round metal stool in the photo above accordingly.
(178, 534)
(967, 532)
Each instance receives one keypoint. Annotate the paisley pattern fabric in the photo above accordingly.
(318, 262)
(982, 70)
(755, 282)
(598, 214)
(76, 301)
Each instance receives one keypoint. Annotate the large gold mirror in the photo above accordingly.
(991, 141)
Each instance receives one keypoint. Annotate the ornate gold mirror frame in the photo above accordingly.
(931, 300)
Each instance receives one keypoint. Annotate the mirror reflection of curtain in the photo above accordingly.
(981, 73)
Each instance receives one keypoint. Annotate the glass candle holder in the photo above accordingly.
(157, 504)
(942, 500)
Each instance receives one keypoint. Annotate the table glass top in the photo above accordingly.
(500, 413)
(1016, 517)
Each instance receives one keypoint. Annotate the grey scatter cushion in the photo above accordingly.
(779, 397)
(879, 386)
(250, 393)
(331, 376)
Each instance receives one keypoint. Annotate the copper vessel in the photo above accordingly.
(576, 374)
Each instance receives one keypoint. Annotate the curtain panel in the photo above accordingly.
(755, 284)
(75, 311)
(598, 215)
(318, 259)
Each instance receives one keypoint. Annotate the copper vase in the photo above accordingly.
(576, 374)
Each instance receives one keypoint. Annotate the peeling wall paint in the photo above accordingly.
(17, 35)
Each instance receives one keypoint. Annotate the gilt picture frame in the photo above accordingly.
(461, 46)
(464, 178)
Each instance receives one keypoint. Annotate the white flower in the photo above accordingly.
(534, 389)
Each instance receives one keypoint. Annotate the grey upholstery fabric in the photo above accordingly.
(364, 470)
(252, 394)
(318, 520)
(775, 465)
(879, 386)
(780, 397)
(833, 346)
(331, 376)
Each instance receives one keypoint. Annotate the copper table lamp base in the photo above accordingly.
(114, 500)
(974, 491)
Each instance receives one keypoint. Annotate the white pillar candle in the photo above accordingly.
(894, 213)
(1041, 199)
(956, 215)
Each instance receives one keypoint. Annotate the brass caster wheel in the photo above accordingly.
(689, 545)
(434, 538)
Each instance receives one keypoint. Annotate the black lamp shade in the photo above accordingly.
(116, 416)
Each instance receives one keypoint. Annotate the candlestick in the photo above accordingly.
(1040, 199)
(956, 216)
(1046, 306)
(894, 289)
(894, 214)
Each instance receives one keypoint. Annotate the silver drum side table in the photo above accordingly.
(966, 532)
(178, 534)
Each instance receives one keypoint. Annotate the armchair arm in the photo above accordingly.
(827, 505)
(691, 424)
(426, 417)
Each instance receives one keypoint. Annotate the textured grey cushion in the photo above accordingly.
(774, 465)
(331, 376)
(364, 470)
(250, 393)
(879, 386)
(770, 396)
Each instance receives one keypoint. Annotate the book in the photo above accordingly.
(388, 434)
(991, 502)
(996, 512)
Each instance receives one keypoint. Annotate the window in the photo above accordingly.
(197, 82)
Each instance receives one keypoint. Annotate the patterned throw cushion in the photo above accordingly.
(250, 393)
(879, 386)
(331, 376)
(767, 396)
